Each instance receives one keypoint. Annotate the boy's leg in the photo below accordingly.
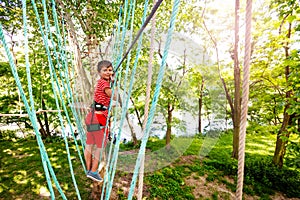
(103, 160)
(95, 162)
(93, 173)
(88, 156)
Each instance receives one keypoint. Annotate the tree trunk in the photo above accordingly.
(282, 141)
(46, 118)
(169, 125)
(283, 134)
(94, 58)
(42, 130)
(200, 106)
(133, 134)
(83, 85)
(237, 87)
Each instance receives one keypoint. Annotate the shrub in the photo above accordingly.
(270, 176)
(169, 183)
(229, 167)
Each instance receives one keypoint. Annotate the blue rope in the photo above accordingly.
(48, 178)
(117, 38)
(32, 118)
(53, 74)
(125, 107)
(66, 83)
(155, 98)
(110, 172)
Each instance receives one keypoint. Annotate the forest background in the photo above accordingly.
(206, 57)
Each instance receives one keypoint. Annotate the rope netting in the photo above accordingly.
(125, 73)
(63, 91)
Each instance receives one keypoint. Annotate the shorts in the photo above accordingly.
(96, 137)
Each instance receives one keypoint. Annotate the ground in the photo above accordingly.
(202, 188)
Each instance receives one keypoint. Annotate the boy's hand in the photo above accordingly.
(112, 78)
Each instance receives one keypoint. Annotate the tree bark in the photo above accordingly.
(94, 58)
(46, 118)
(83, 84)
(281, 141)
(133, 134)
(237, 86)
(200, 106)
(169, 124)
(283, 134)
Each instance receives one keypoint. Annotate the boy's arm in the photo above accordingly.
(108, 91)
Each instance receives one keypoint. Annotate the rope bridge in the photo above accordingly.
(55, 45)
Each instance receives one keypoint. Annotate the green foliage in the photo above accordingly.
(228, 167)
(262, 178)
(264, 172)
(256, 128)
(193, 149)
(96, 17)
(7, 135)
(154, 144)
(22, 174)
(293, 155)
(168, 183)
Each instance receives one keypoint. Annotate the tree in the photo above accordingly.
(89, 23)
(287, 14)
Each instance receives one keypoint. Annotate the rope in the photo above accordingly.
(239, 191)
(140, 32)
(117, 38)
(125, 107)
(65, 82)
(111, 159)
(30, 92)
(147, 102)
(45, 160)
(53, 74)
(155, 97)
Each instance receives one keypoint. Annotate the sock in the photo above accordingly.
(95, 172)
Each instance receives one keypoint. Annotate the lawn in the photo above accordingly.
(189, 166)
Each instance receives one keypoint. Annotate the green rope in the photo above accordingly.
(125, 107)
(32, 117)
(155, 98)
(62, 66)
(30, 92)
(130, 13)
(154, 9)
(117, 38)
(65, 81)
(53, 74)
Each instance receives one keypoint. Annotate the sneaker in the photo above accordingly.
(94, 176)
(88, 171)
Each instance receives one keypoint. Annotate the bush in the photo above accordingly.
(168, 183)
(255, 128)
(270, 176)
(7, 135)
(262, 174)
(229, 167)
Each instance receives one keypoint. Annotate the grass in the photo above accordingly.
(22, 175)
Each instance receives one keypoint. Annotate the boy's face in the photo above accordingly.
(106, 73)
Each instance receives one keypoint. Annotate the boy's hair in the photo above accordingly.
(103, 63)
